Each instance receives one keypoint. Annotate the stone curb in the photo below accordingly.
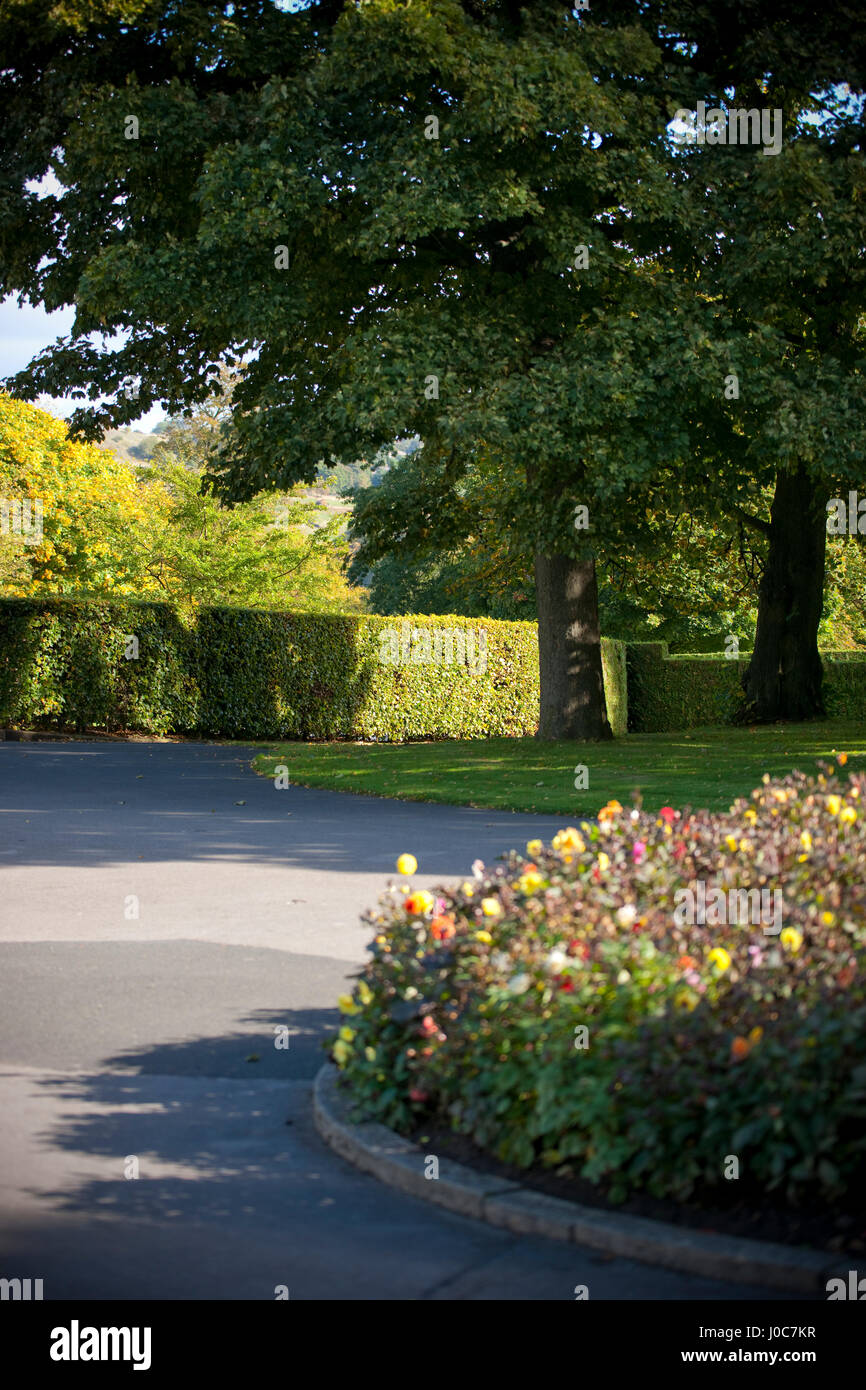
(500, 1202)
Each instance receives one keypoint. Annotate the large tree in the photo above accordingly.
(379, 214)
(781, 250)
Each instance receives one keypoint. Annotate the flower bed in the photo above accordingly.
(563, 1010)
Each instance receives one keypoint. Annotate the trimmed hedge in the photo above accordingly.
(62, 664)
(670, 692)
(242, 673)
(248, 673)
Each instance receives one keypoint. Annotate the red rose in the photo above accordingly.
(668, 813)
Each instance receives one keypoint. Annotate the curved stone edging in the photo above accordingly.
(400, 1163)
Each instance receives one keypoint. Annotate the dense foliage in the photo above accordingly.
(245, 673)
(559, 1010)
(111, 528)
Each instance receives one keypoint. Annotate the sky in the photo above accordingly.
(26, 331)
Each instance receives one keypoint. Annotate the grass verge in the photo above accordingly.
(703, 768)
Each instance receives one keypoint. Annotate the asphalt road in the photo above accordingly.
(162, 912)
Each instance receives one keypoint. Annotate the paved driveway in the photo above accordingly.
(162, 911)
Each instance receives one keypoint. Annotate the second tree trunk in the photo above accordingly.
(784, 677)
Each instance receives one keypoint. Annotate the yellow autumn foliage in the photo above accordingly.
(90, 502)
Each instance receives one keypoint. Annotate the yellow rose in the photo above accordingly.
(370, 1054)
(365, 994)
(792, 939)
(341, 1053)
(685, 999)
(756, 1035)
(750, 816)
(827, 918)
(834, 805)
(530, 882)
(347, 1034)
(806, 840)
(484, 936)
(347, 1005)
(534, 848)
(848, 815)
(603, 862)
(731, 841)
(568, 839)
(490, 907)
(407, 864)
(419, 903)
(720, 958)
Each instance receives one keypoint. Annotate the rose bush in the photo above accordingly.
(559, 1012)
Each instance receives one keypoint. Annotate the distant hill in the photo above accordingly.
(363, 473)
(134, 446)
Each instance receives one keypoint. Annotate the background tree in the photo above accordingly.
(91, 507)
(274, 551)
(111, 528)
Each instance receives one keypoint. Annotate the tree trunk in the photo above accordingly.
(569, 650)
(784, 677)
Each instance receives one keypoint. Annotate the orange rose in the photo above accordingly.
(443, 928)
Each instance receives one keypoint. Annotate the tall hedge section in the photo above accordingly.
(667, 693)
(240, 673)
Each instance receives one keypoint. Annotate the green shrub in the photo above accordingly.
(666, 692)
(560, 1010)
(845, 685)
(613, 665)
(63, 664)
(242, 673)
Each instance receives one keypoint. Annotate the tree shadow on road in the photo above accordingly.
(205, 1139)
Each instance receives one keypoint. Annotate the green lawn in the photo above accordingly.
(700, 767)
